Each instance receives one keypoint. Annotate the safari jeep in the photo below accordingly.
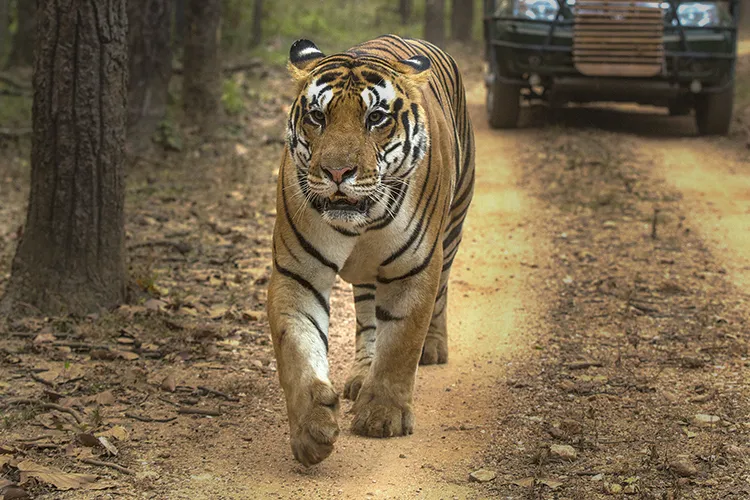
(675, 53)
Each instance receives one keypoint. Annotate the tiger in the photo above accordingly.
(374, 185)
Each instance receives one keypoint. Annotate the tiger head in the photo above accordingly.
(356, 132)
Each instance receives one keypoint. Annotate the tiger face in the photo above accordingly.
(356, 132)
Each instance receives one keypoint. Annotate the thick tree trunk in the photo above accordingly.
(405, 9)
(434, 21)
(4, 25)
(202, 82)
(22, 52)
(150, 65)
(462, 19)
(71, 256)
(257, 24)
(179, 22)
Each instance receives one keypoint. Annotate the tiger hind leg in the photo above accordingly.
(435, 349)
(364, 304)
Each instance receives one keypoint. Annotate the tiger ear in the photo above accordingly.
(416, 68)
(303, 55)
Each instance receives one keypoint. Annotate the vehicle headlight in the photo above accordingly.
(698, 14)
(540, 10)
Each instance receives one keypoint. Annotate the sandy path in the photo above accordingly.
(487, 303)
(714, 178)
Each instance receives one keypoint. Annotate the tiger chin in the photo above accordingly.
(374, 185)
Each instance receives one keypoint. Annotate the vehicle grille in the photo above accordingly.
(618, 38)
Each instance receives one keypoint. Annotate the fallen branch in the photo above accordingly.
(41, 380)
(9, 80)
(14, 93)
(227, 397)
(46, 406)
(198, 411)
(6, 133)
(144, 418)
(92, 461)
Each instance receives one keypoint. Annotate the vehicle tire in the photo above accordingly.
(679, 108)
(713, 112)
(503, 105)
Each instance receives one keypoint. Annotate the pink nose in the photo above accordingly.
(339, 175)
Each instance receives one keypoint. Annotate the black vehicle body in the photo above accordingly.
(613, 50)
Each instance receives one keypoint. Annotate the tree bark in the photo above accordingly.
(150, 66)
(257, 24)
(405, 9)
(22, 52)
(202, 83)
(71, 257)
(462, 19)
(434, 21)
(4, 25)
(179, 23)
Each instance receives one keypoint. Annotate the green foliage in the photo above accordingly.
(231, 97)
(334, 25)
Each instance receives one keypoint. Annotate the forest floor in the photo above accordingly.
(599, 328)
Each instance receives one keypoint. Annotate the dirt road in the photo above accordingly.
(599, 302)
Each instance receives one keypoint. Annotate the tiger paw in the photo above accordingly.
(434, 351)
(355, 381)
(317, 428)
(377, 415)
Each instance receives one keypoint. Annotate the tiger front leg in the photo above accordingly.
(298, 315)
(383, 407)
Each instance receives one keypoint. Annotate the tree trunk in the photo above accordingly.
(71, 257)
(202, 83)
(434, 21)
(257, 24)
(150, 66)
(22, 52)
(4, 25)
(179, 22)
(405, 8)
(462, 19)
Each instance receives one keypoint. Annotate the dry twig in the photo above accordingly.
(47, 406)
(92, 461)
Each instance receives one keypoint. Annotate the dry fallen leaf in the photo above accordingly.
(59, 479)
(128, 355)
(118, 432)
(169, 383)
(551, 483)
(526, 482)
(103, 398)
(87, 439)
(111, 449)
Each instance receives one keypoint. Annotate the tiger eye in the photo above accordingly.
(375, 117)
(318, 116)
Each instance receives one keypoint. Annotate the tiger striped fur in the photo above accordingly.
(374, 185)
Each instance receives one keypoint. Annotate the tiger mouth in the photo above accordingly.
(344, 204)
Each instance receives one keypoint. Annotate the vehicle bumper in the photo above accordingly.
(524, 48)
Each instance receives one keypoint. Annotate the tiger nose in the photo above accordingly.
(339, 175)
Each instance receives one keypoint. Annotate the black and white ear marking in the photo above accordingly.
(302, 52)
(418, 63)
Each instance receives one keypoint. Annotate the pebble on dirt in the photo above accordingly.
(562, 452)
(482, 476)
(684, 467)
(705, 420)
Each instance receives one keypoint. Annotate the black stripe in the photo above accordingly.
(364, 329)
(367, 286)
(306, 284)
(322, 334)
(306, 245)
(384, 315)
(365, 296)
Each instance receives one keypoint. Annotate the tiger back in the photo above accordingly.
(374, 186)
